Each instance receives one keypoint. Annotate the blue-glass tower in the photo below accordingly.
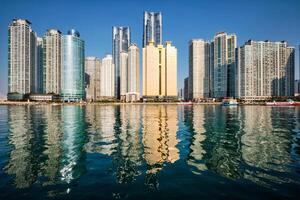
(72, 67)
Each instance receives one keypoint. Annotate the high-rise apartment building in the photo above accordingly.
(265, 69)
(297, 88)
(200, 68)
(123, 74)
(121, 41)
(21, 58)
(52, 61)
(159, 71)
(39, 65)
(186, 89)
(152, 28)
(129, 74)
(224, 75)
(133, 84)
(107, 78)
(72, 82)
(92, 78)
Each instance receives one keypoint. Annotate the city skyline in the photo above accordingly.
(102, 44)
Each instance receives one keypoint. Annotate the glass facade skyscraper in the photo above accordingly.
(39, 65)
(224, 65)
(121, 42)
(152, 28)
(72, 67)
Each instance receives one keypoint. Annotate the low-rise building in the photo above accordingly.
(44, 97)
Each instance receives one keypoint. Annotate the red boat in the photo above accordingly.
(283, 103)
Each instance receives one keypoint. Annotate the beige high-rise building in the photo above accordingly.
(265, 69)
(107, 78)
(159, 71)
(92, 78)
(52, 61)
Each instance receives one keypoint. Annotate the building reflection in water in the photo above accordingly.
(195, 124)
(101, 120)
(53, 149)
(20, 157)
(216, 141)
(128, 155)
(49, 143)
(73, 141)
(266, 143)
(26, 138)
(160, 126)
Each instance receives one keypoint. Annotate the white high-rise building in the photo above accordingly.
(199, 69)
(21, 58)
(265, 70)
(92, 78)
(123, 74)
(129, 74)
(52, 61)
(107, 77)
(133, 73)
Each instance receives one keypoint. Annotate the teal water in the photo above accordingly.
(149, 152)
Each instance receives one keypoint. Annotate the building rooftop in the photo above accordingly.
(73, 32)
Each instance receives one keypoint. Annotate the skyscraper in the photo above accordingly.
(121, 41)
(152, 28)
(72, 85)
(123, 74)
(224, 65)
(297, 88)
(107, 78)
(39, 65)
(133, 73)
(21, 58)
(52, 61)
(170, 70)
(92, 78)
(159, 71)
(186, 89)
(199, 69)
(129, 74)
(265, 69)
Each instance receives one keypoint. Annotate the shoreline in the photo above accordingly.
(102, 103)
(22, 103)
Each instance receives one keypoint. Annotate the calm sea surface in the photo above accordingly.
(149, 152)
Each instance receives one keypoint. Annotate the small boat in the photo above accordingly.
(229, 102)
(186, 103)
(289, 102)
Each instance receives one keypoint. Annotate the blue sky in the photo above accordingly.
(182, 21)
